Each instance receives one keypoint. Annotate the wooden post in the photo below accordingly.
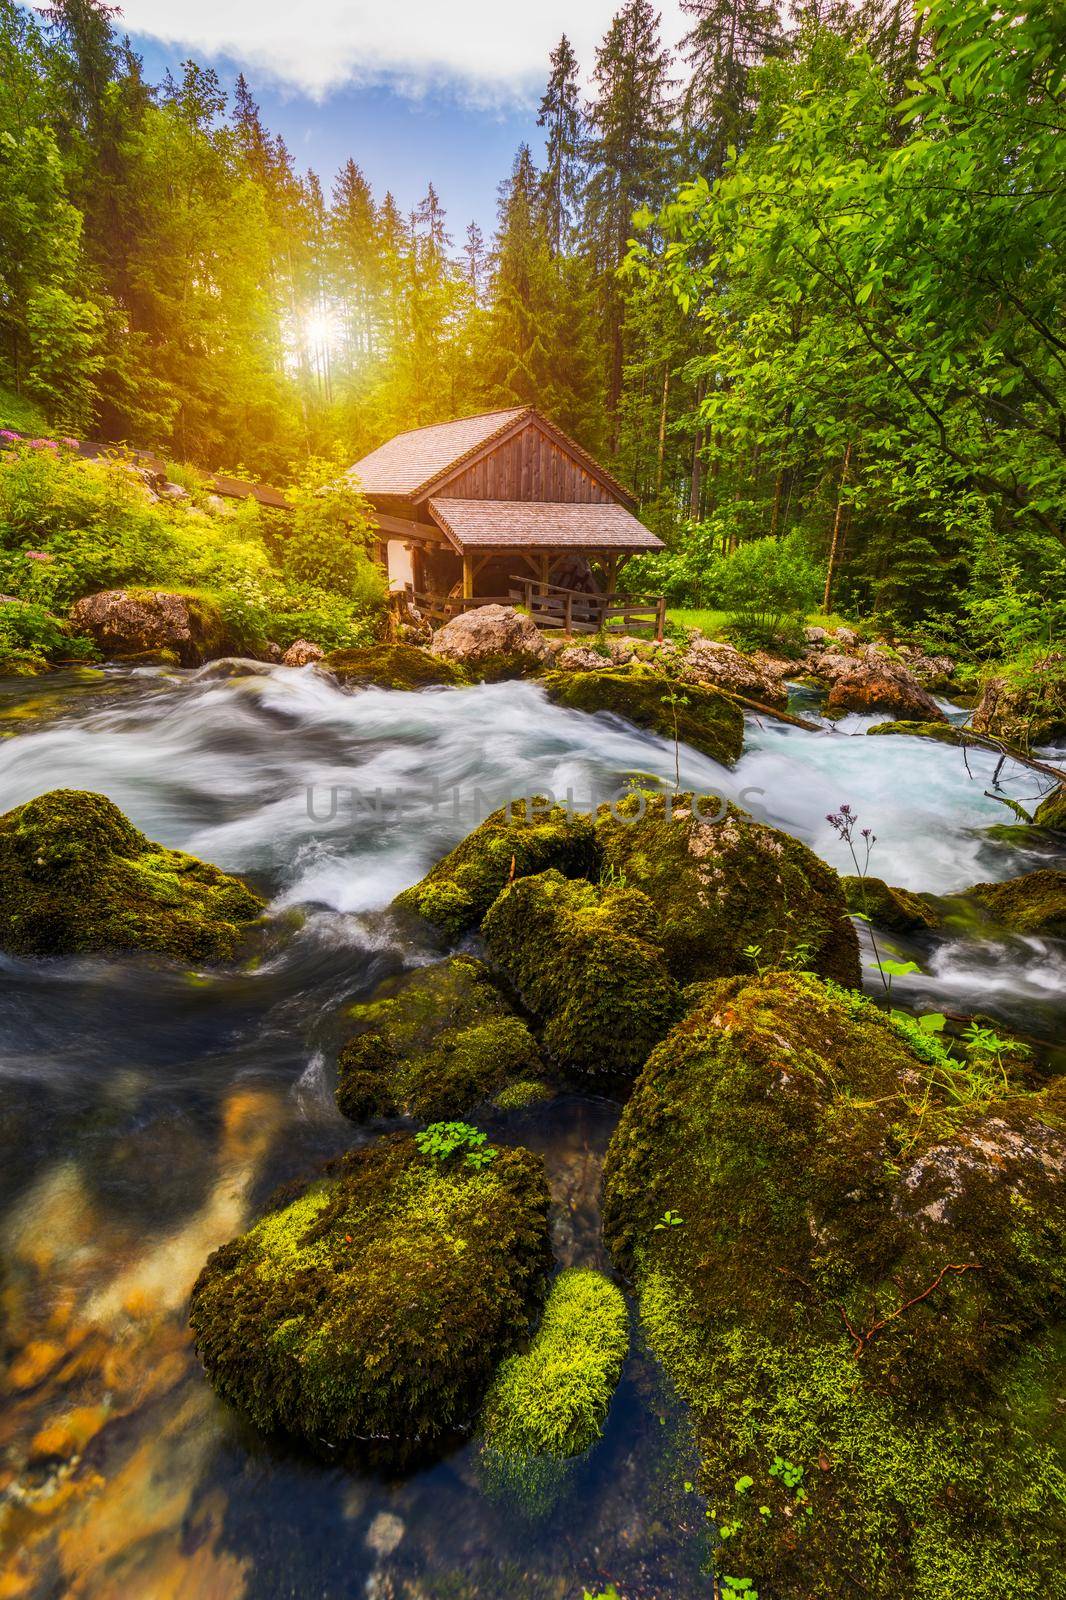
(612, 574)
(545, 567)
(569, 615)
(468, 576)
(660, 618)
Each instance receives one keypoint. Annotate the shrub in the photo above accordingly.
(767, 586)
(31, 637)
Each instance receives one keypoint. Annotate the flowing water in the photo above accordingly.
(147, 1110)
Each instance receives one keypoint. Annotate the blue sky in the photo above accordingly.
(400, 141)
(413, 90)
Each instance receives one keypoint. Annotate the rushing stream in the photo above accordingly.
(147, 1110)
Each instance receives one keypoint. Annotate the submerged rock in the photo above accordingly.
(587, 962)
(731, 893)
(393, 666)
(511, 843)
(548, 1405)
(888, 906)
(433, 1044)
(77, 877)
(942, 732)
(1034, 903)
(151, 623)
(492, 642)
(369, 1307)
(701, 717)
(849, 1259)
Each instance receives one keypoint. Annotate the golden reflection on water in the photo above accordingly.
(105, 1430)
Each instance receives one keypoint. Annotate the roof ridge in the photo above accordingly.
(472, 416)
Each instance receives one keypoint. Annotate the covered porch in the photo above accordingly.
(560, 561)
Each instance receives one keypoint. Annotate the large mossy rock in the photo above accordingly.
(1051, 812)
(898, 910)
(548, 1404)
(394, 666)
(587, 963)
(879, 684)
(146, 624)
(859, 1294)
(1027, 706)
(433, 1044)
(371, 1307)
(724, 887)
(511, 843)
(703, 718)
(1034, 903)
(77, 877)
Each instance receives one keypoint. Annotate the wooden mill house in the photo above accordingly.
(504, 508)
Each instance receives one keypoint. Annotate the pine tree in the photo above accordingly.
(474, 264)
(728, 39)
(560, 113)
(631, 137)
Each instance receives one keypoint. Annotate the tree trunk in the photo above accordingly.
(834, 548)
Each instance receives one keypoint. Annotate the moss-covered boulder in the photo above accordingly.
(153, 624)
(702, 717)
(850, 1259)
(1034, 903)
(77, 877)
(433, 1044)
(731, 893)
(1051, 812)
(587, 962)
(511, 843)
(371, 1306)
(394, 666)
(890, 907)
(1027, 704)
(548, 1404)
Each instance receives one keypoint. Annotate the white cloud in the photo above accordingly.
(490, 52)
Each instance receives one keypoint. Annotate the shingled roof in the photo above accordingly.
(411, 461)
(410, 465)
(539, 525)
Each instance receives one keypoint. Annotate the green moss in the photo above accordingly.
(549, 1404)
(521, 1095)
(588, 964)
(827, 1178)
(890, 907)
(1034, 903)
(1051, 812)
(76, 876)
(371, 1308)
(721, 887)
(941, 732)
(457, 892)
(394, 666)
(707, 720)
(433, 1044)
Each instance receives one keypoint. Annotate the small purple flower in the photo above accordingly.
(39, 555)
(10, 438)
(42, 444)
(69, 444)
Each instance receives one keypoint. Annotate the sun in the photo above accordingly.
(321, 332)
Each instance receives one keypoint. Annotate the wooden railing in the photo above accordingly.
(570, 610)
(575, 611)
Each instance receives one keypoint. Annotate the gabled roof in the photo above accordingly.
(409, 462)
(412, 464)
(539, 525)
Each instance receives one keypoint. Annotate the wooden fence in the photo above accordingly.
(551, 607)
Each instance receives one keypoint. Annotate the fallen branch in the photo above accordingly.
(863, 1339)
(769, 711)
(987, 741)
(1012, 805)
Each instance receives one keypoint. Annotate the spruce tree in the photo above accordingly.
(560, 113)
